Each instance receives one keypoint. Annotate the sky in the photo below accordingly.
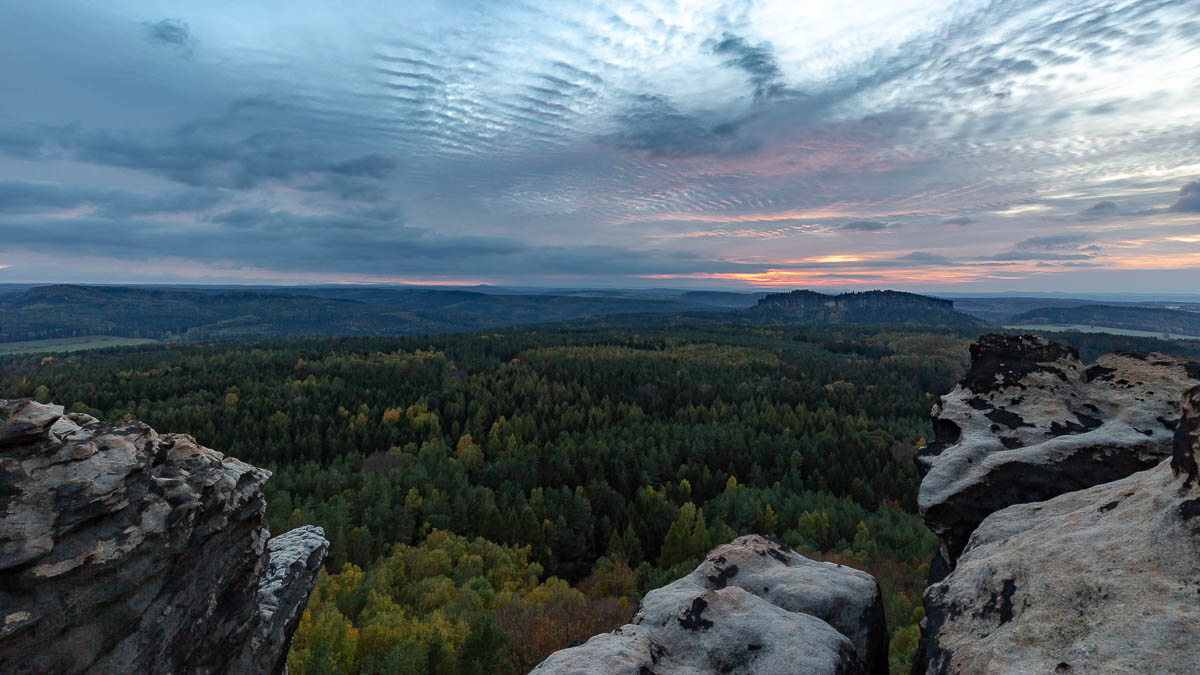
(926, 145)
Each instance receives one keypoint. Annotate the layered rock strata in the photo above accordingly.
(1105, 579)
(122, 550)
(1030, 421)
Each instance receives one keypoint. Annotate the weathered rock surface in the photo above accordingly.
(1105, 579)
(752, 606)
(294, 559)
(1030, 422)
(125, 551)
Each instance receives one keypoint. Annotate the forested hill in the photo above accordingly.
(64, 311)
(868, 307)
(67, 311)
(70, 311)
(1154, 319)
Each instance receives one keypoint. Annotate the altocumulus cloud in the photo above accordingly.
(525, 140)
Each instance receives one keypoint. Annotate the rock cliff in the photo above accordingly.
(752, 606)
(1066, 500)
(804, 306)
(1030, 421)
(122, 550)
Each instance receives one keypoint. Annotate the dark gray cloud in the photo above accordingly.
(1102, 209)
(989, 70)
(757, 61)
(238, 150)
(1189, 198)
(21, 197)
(355, 243)
(1027, 256)
(655, 126)
(373, 165)
(169, 31)
(925, 258)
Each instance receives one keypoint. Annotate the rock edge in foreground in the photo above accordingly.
(752, 606)
(122, 550)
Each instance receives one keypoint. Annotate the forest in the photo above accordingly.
(492, 497)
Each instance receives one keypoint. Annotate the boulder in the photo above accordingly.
(752, 606)
(1030, 421)
(125, 551)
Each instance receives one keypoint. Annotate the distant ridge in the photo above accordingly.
(71, 311)
(67, 311)
(865, 307)
(1153, 319)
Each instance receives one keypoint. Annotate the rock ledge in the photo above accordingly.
(122, 550)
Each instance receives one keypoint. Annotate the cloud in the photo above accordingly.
(867, 226)
(655, 126)
(168, 31)
(989, 70)
(958, 220)
(1054, 242)
(1020, 256)
(925, 258)
(373, 165)
(758, 62)
(1100, 210)
(352, 243)
(255, 140)
(22, 197)
(1189, 198)
(532, 135)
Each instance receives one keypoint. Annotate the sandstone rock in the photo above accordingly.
(283, 589)
(125, 551)
(1030, 421)
(1100, 580)
(752, 606)
(25, 419)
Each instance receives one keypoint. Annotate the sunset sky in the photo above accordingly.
(925, 145)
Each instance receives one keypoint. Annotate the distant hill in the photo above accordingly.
(868, 307)
(71, 311)
(66, 311)
(1001, 309)
(723, 298)
(491, 309)
(1153, 319)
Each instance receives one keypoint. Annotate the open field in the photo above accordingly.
(69, 344)
(1084, 328)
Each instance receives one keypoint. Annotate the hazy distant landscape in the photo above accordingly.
(72, 312)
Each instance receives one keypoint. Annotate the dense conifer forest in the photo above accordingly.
(492, 497)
